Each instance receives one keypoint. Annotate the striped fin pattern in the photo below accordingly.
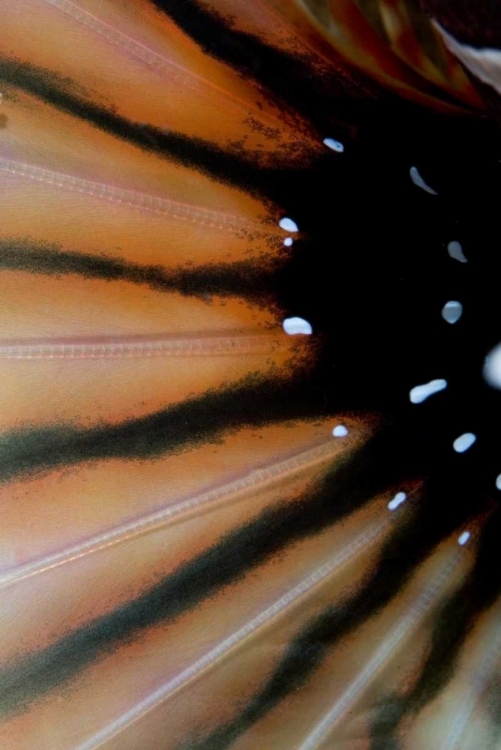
(209, 539)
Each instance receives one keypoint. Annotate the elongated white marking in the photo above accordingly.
(177, 512)
(288, 242)
(236, 639)
(159, 64)
(399, 498)
(419, 182)
(463, 442)
(463, 538)
(295, 326)
(455, 251)
(421, 392)
(410, 619)
(467, 702)
(492, 367)
(498, 482)
(288, 224)
(139, 201)
(484, 63)
(334, 145)
(130, 347)
(340, 430)
(452, 311)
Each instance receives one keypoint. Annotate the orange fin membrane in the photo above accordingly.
(195, 552)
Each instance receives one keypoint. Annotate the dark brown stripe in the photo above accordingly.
(238, 169)
(244, 278)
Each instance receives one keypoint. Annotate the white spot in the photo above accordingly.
(419, 182)
(421, 392)
(463, 442)
(293, 326)
(334, 145)
(399, 498)
(340, 430)
(498, 482)
(492, 367)
(456, 252)
(288, 224)
(288, 241)
(452, 311)
(464, 538)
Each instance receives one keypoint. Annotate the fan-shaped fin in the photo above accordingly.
(201, 546)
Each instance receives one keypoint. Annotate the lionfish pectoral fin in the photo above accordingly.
(206, 543)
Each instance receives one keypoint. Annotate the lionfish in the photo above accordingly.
(249, 376)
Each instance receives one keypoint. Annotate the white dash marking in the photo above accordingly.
(399, 498)
(334, 145)
(340, 430)
(492, 367)
(455, 251)
(498, 482)
(288, 241)
(419, 182)
(463, 538)
(421, 392)
(294, 326)
(288, 224)
(452, 311)
(463, 442)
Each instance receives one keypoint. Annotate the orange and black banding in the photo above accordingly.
(190, 559)
(241, 278)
